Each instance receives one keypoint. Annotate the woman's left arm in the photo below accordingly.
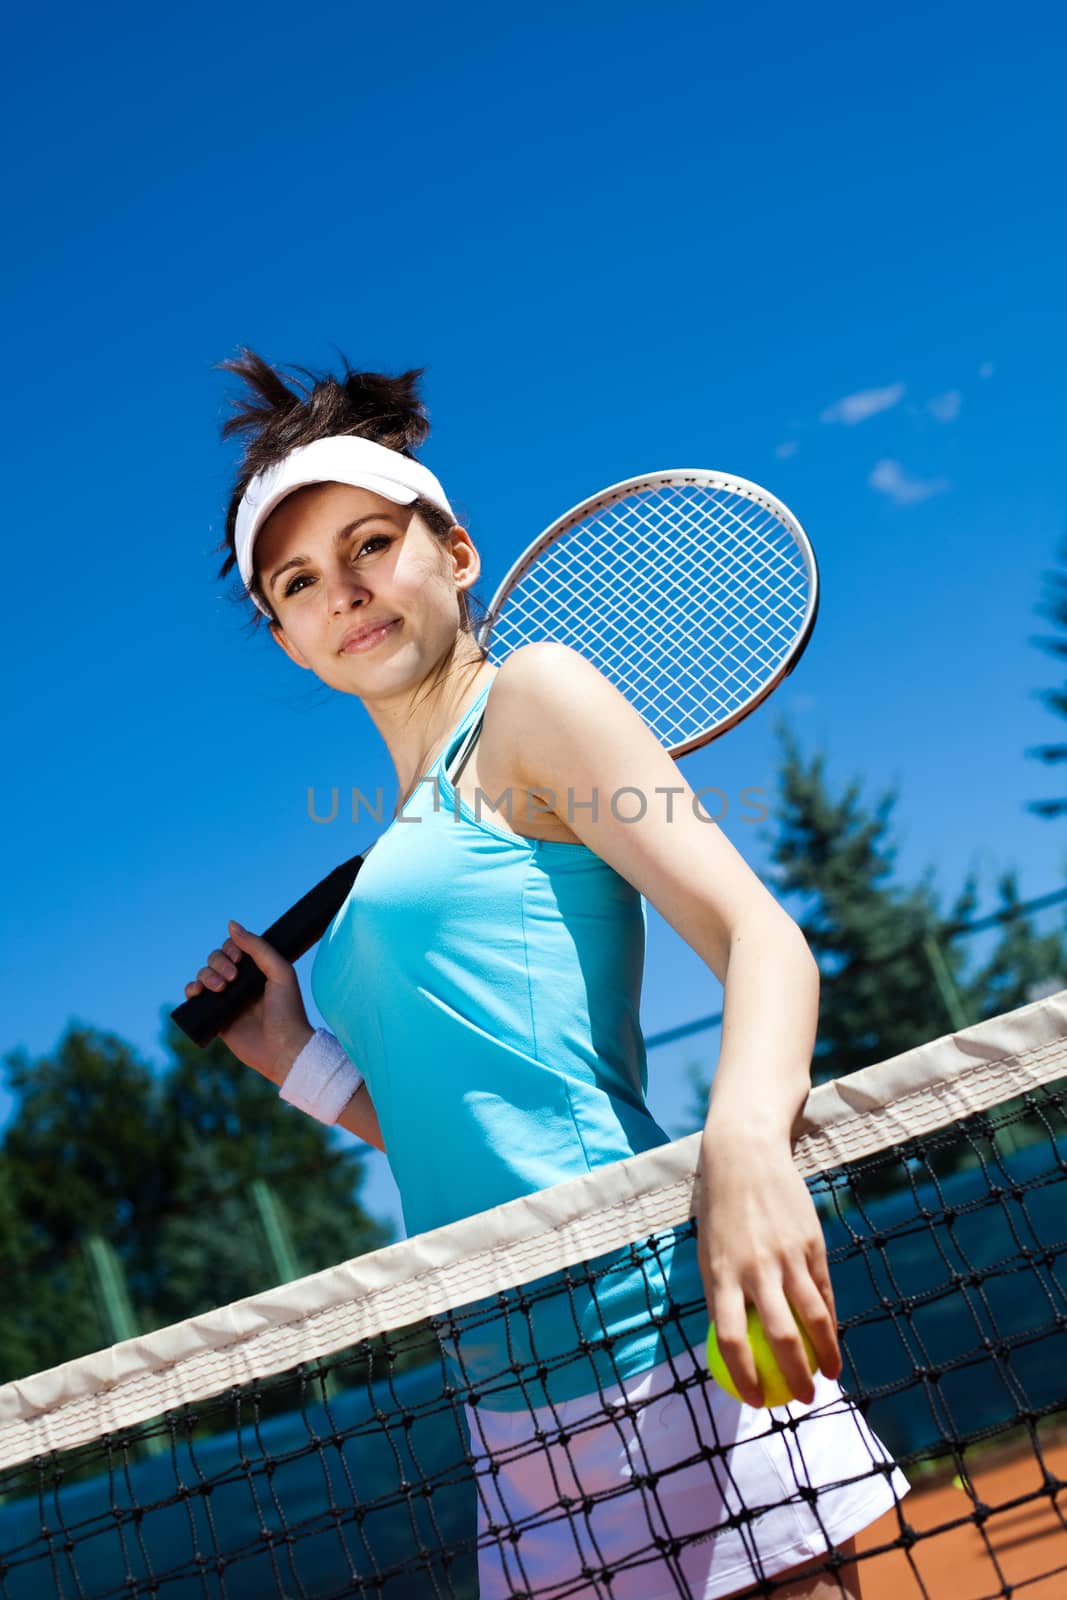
(577, 742)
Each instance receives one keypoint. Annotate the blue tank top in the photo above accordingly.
(488, 987)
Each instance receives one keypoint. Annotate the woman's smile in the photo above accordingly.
(365, 638)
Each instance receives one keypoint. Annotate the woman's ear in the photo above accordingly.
(466, 562)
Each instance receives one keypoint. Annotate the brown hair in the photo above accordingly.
(274, 419)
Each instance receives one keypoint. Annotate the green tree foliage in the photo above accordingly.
(83, 1153)
(16, 1254)
(231, 1127)
(161, 1167)
(835, 858)
(894, 970)
(1054, 608)
(1023, 963)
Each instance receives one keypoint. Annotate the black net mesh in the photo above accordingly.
(396, 1468)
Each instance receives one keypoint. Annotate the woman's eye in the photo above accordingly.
(379, 540)
(375, 539)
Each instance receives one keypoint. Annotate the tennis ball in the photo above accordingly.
(775, 1385)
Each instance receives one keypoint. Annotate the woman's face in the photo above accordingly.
(335, 561)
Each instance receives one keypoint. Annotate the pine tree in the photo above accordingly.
(891, 978)
(1054, 608)
(894, 967)
(1023, 963)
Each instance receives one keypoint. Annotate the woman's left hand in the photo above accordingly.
(760, 1243)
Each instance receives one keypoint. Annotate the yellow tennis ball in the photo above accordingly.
(775, 1385)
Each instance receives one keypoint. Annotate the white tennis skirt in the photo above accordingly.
(694, 1494)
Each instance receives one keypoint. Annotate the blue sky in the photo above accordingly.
(820, 247)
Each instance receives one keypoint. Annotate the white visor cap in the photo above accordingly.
(341, 458)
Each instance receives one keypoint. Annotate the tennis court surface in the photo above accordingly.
(315, 1440)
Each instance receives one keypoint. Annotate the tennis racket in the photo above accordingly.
(693, 592)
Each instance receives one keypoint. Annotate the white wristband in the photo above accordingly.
(322, 1079)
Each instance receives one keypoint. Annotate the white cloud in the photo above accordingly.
(945, 407)
(986, 370)
(865, 403)
(784, 451)
(890, 478)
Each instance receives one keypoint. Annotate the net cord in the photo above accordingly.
(932, 1086)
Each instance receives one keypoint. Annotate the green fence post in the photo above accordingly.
(116, 1311)
(109, 1281)
(946, 983)
(275, 1231)
(282, 1250)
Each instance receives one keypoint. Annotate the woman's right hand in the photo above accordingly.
(272, 1031)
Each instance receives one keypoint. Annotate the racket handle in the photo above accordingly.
(207, 1014)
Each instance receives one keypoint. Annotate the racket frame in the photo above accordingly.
(688, 477)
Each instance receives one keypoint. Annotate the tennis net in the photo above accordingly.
(470, 1412)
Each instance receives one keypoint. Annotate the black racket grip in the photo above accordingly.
(296, 930)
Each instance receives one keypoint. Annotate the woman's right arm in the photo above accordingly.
(360, 1118)
(274, 1037)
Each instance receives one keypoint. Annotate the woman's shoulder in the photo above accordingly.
(526, 671)
(542, 684)
(562, 712)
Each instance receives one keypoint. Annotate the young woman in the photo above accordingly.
(482, 984)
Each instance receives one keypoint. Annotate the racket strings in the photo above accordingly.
(670, 636)
(688, 598)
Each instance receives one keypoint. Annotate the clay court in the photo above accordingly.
(1019, 1549)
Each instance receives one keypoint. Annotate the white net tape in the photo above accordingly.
(923, 1089)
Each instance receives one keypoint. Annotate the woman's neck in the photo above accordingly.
(416, 741)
